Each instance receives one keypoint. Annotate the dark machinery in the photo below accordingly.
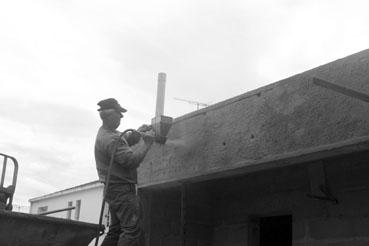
(19, 229)
(7, 193)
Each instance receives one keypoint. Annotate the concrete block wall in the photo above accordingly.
(199, 216)
(163, 213)
(340, 224)
(283, 192)
(223, 212)
(162, 217)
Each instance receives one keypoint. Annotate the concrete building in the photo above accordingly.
(286, 164)
(86, 199)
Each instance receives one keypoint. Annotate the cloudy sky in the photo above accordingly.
(59, 58)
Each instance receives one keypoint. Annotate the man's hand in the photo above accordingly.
(144, 128)
(132, 137)
(148, 137)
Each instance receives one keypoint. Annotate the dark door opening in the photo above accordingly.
(276, 230)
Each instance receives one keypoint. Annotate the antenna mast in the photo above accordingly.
(198, 104)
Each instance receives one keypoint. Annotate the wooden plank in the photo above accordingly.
(340, 89)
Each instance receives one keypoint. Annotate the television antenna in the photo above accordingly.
(198, 104)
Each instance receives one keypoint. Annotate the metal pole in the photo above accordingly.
(3, 173)
(15, 176)
(148, 218)
(57, 211)
(183, 215)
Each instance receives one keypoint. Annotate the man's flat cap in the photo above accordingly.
(110, 103)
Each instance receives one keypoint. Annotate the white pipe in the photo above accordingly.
(160, 95)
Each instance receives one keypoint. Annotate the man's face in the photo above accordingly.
(114, 119)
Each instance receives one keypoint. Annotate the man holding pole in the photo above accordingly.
(117, 164)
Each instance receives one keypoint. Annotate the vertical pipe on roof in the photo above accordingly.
(160, 94)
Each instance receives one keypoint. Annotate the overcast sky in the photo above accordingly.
(59, 58)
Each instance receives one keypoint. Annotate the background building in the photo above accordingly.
(86, 199)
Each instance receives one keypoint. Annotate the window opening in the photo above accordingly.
(276, 230)
(69, 212)
(78, 210)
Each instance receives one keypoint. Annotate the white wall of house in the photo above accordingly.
(89, 195)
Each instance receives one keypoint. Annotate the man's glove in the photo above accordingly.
(132, 137)
(144, 128)
(148, 137)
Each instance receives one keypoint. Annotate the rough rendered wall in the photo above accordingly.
(286, 117)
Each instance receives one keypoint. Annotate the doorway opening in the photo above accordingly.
(276, 230)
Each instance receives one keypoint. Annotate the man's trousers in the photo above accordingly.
(124, 207)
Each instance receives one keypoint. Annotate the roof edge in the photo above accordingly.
(84, 186)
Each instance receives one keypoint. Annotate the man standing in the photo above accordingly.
(124, 204)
